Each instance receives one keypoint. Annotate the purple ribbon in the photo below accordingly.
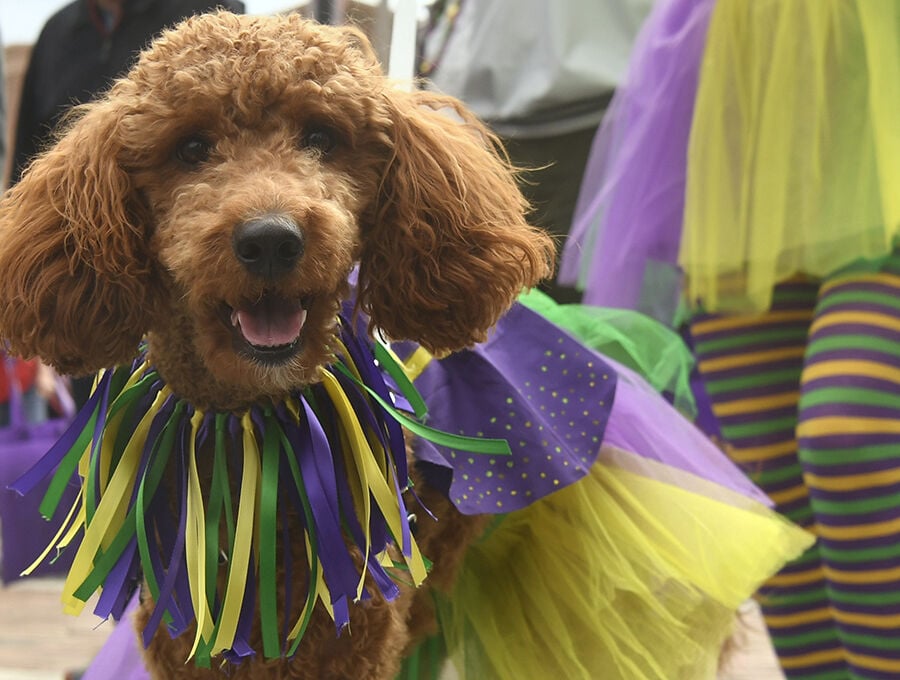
(51, 460)
(317, 471)
(171, 587)
(120, 584)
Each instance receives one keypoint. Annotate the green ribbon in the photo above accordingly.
(494, 447)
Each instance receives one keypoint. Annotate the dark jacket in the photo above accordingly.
(76, 57)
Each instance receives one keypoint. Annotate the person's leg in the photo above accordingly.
(849, 439)
(751, 368)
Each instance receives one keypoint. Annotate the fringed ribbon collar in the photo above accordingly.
(332, 457)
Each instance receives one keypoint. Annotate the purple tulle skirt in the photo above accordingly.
(623, 246)
(120, 658)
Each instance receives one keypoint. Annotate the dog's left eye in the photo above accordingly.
(193, 150)
(321, 138)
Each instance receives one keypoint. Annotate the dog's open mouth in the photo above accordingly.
(268, 329)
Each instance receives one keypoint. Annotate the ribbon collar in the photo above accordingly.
(330, 458)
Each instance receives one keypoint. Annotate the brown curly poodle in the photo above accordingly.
(215, 202)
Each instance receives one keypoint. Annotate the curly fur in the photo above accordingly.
(114, 235)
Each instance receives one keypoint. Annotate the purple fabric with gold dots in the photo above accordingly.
(531, 384)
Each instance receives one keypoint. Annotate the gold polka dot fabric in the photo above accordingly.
(533, 385)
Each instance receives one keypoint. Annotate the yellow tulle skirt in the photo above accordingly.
(634, 572)
(794, 158)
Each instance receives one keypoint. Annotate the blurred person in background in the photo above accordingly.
(81, 50)
(24, 373)
(2, 111)
(541, 74)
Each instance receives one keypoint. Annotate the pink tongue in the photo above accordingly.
(270, 325)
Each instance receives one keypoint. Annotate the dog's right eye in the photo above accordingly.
(193, 150)
(319, 138)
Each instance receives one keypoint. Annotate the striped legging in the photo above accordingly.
(808, 400)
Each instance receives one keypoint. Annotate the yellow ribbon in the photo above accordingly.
(194, 541)
(239, 562)
(111, 511)
(62, 537)
(416, 362)
(371, 482)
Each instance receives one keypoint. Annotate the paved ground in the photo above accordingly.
(38, 642)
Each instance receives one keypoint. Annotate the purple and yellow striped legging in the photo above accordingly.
(808, 400)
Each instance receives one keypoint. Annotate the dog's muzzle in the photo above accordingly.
(268, 246)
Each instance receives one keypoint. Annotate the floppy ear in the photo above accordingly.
(74, 266)
(447, 249)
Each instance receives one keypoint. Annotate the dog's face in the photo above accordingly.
(272, 137)
(218, 198)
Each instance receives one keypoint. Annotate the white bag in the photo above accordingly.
(534, 62)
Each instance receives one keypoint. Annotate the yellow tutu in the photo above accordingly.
(634, 572)
(794, 160)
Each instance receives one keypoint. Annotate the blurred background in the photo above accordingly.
(21, 23)
(38, 642)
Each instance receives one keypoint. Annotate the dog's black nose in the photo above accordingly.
(268, 246)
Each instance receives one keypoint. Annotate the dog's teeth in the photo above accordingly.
(235, 319)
